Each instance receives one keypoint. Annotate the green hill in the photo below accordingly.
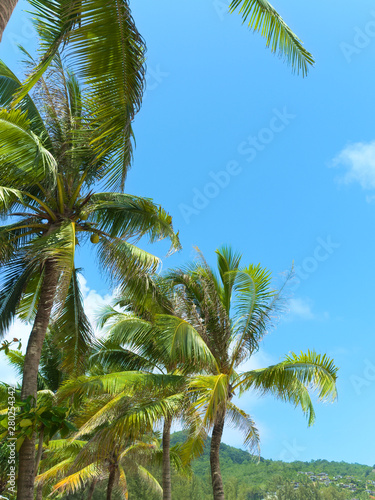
(248, 478)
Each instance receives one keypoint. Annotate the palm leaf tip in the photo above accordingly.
(262, 17)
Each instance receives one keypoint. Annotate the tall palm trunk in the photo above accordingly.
(167, 489)
(26, 471)
(39, 488)
(217, 432)
(6, 9)
(111, 480)
(39, 492)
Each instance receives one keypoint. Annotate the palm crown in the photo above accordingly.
(232, 309)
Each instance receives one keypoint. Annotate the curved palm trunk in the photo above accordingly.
(26, 472)
(217, 481)
(167, 489)
(6, 9)
(111, 480)
(92, 489)
(40, 450)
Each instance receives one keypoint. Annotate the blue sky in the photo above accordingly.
(241, 151)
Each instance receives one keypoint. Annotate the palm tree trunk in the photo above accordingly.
(91, 489)
(39, 488)
(167, 489)
(39, 492)
(26, 471)
(40, 450)
(111, 481)
(217, 481)
(6, 9)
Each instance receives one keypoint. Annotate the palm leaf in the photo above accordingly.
(263, 18)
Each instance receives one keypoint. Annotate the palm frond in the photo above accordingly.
(151, 480)
(22, 153)
(242, 421)
(9, 85)
(291, 379)
(263, 18)
(74, 482)
(126, 216)
(72, 329)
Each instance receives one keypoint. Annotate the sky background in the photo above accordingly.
(300, 153)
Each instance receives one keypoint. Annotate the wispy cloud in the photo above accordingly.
(358, 160)
(300, 309)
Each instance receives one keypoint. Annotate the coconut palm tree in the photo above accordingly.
(48, 172)
(231, 309)
(119, 409)
(148, 334)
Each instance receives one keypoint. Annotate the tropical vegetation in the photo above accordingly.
(172, 347)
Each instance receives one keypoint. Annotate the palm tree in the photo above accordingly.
(231, 310)
(48, 170)
(148, 335)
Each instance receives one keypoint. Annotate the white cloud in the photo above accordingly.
(20, 331)
(300, 309)
(359, 161)
(93, 301)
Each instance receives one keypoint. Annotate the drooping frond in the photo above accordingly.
(107, 54)
(151, 480)
(74, 482)
(291, 379)
(23, 157)
(263, 18)
(114, 383)
(72, 330)
(127, 216)
(16, 276)
(242, 421)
